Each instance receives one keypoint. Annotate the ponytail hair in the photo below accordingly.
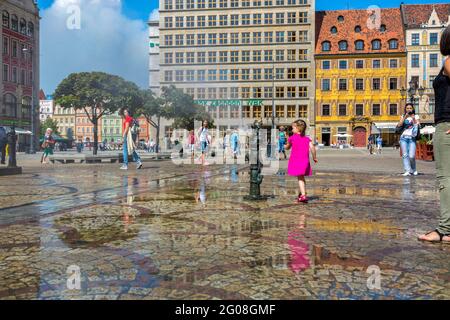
(301, 125)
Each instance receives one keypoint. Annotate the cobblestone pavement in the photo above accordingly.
(185, 232)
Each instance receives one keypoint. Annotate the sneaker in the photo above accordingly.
(416, 173)
(139, 165)
(303, 199)
(124, 167)
(406, 174)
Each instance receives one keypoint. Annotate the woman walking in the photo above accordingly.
(441, 144)
(282, 143)
(203, 137)
(409, 125)
(128, 142)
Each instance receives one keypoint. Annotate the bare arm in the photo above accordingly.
(312, 148)
(288, 145)
(447, 67)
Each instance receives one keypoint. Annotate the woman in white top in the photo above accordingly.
(409, 125)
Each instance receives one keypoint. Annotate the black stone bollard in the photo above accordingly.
(12, 139)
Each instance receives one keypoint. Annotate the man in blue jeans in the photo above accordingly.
(126, 136)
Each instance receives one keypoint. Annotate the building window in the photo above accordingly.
(343, 84)
(393, 63)
(302, 111)
(291, 92)
(326, 85)
(234, 74)
(179, 22)
(303, 92)
(280, 36)
(290, 111)
(342, 110)
(333, 30)
(257, 38)
(257, 74)
(280, 18)
(267, 111)
(376, 45)
(234, 19)
(245, 19)
(303, 17)
(359, 110)
(343, 64)
(5, 45)
(292, 36)
(292, 17)
(359, 45)
(268, 92)
(268, 18)
(359, 64)
(326, 110)
(376, 84)
(303, 54)
(246, 111)
(223, 56)
(376, 109)
(212, 93)
(256, 112)
(343, 46)
(212, 38)
(393, 84)
(5, 19)
(10, 105)
(235, 38)
(376, 64)
(433, 60)
(291, 73)
(359, 84)
(326, 46)
(5, 72)
(246, 37)
(201, 21)
(326, 65)
(212, 75)
(257, 18)
(433, 38)
(393, 44)
(179, 57)
(358, 29)
(246, 56)
(415, 39)
(393, 109)
(279, 73)
(279, 93)
(245, 74)
(14, 23)
(414, 61)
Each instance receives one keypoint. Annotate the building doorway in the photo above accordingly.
(326, 137)
(360, 137)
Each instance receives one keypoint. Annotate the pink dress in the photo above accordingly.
(299, 164)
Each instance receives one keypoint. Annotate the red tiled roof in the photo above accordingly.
(325, 20)
(416, 14)
(42, 95)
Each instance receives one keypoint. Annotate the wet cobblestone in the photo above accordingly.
(148, 236)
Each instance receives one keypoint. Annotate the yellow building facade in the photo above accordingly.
(359, 74)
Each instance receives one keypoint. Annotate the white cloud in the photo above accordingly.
(154, 15)
(106, 41)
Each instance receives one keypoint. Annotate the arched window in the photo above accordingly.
(5, 17)
(326, 46)
(23, 26)
(10, 103)
(341, 18)
(358, 29)
(26, 107)
(393, 44)
(359, 45)
(14, 23)
(343, 46)
(376, 45)
(383, 28)
(30, 29)
(333, 30)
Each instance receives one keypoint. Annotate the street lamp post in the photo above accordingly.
(272, 141)
(33, 115)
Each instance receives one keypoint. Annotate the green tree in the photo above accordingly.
(48, 123)
(97, 93)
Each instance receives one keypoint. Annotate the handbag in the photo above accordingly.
(399, 130)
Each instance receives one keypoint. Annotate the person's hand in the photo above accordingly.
(315, 160)
(448, 132)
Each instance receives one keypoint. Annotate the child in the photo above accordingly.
(47, 145)
(299, 165)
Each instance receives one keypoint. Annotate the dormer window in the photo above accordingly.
(359, 45)
(358, 29)
(341, 18)
(333, 30)
(393, 44)
(343, 46)
(376, 45)
(326, 46)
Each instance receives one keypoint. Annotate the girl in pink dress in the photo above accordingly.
(299, 165)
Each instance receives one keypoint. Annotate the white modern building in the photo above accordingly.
(424, 25)
(46, 107)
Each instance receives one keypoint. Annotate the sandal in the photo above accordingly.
(441, 236)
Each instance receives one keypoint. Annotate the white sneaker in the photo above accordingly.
(139, 165)
(406, 174)
(416, 173)
(124, 167)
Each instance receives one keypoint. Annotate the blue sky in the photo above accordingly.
(113, 36)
